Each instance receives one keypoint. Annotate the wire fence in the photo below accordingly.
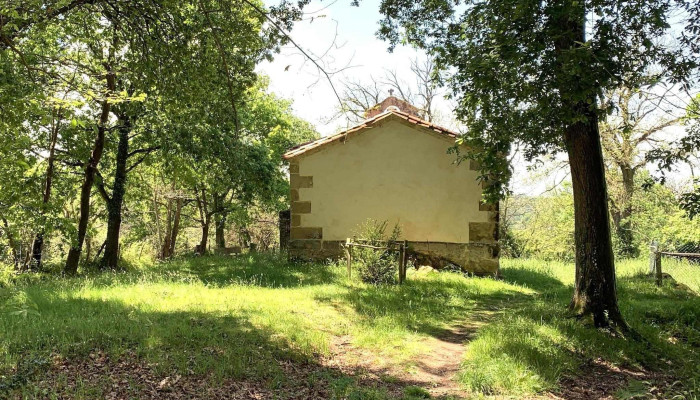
(681, 265)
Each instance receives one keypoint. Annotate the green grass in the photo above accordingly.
(245, 317)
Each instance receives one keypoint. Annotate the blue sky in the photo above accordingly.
(345, 35)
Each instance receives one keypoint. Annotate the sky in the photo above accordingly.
(344, 38)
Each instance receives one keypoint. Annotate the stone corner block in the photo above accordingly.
(297, 181)
(301, 207)
(483, 232)
(302, 233)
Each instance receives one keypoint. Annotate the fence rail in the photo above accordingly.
(683, 266)
(401, 247)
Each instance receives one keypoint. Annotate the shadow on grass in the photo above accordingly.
(535, 280)
(424, 305)
(90, 348)
(530, 342)
(264, 270)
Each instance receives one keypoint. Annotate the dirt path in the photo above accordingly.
(435, 370)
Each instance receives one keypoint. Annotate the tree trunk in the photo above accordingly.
(38, 247)
(623, 225)
(595, 291)
(176, 228)
(220, 231)
(156, 217)
(204, 220)
(165, 249)
(115, 203)
(71, 267)
(202, 246)
(219, 220)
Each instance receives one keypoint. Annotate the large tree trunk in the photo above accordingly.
(595, 293)
(38, 247)
(71, 266)
(595, 287)
(115, 203)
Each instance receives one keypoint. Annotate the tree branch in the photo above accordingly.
(101, 187)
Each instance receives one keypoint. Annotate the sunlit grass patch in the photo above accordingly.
(535, 342)
(246, 317)
(515, 356)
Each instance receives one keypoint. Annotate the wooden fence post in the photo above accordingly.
(348, 255)
(653, 249)
(657, 262)
(403, 262)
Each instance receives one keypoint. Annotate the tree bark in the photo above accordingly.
(220, 221)
(204, 220)
(116, 201)
(621, 216)
(38, 246)
(165, 249)
(220, 232)
(202, 246)
(176, 228)
(595, 290)
(71, 267)
(156, 217)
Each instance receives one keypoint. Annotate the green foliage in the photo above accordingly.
(544, 225)
(200, 117)
(376, 266)
(545, 228)
(690, 201)
(521, 72)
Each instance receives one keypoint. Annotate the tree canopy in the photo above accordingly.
(533, 73)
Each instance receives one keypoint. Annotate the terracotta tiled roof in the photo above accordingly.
(390, 101)
(391, 113)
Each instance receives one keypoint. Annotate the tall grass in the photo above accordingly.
(240, 317)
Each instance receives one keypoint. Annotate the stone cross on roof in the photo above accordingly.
(390, 101)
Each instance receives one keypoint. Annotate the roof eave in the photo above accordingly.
(306, 147)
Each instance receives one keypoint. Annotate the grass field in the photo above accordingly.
(223, 326)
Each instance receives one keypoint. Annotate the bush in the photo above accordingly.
(373, 265)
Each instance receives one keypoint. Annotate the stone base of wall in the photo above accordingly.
(476, 258)
(315, 249)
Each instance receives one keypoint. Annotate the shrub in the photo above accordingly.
(374, 265)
